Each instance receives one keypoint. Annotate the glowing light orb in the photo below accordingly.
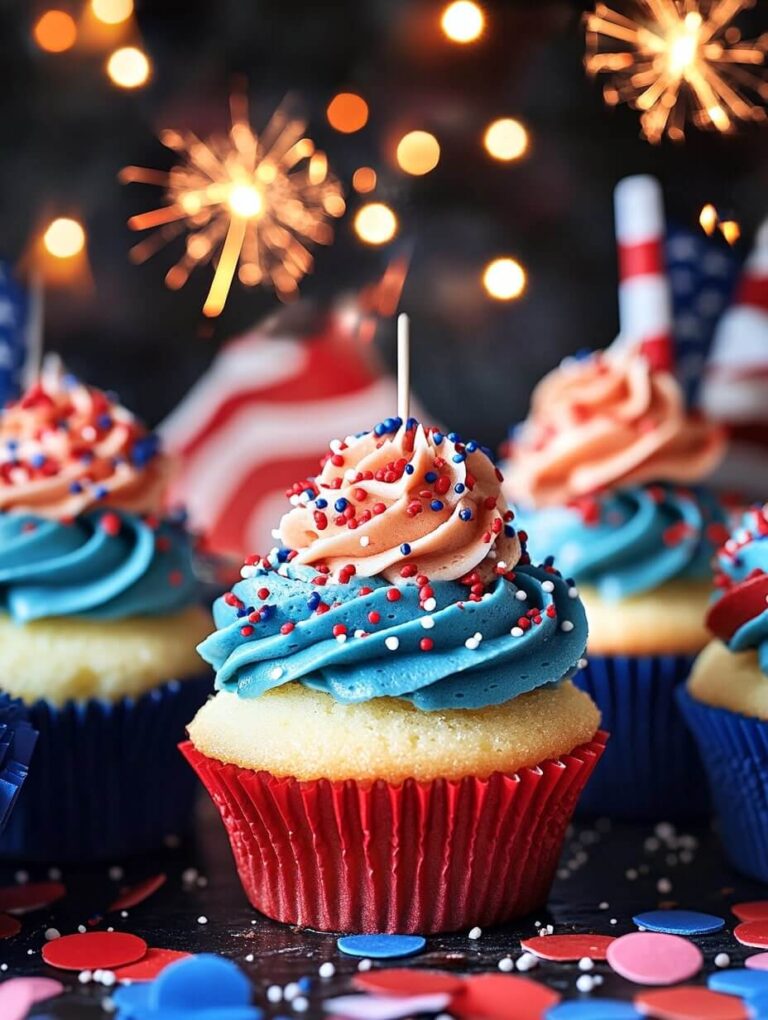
(347, 113)
(463, 21)
(504, 279)
(375, 223)
(506, 139)
(55, 31)
(112, 12)
(418, 152)
(129, 68)
(64, 238)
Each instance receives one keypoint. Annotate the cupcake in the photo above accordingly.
(395, 744)
(603, 475)
(98, 626)
(726, 699)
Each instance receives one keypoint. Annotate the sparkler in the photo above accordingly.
(247, 203)
(678, 61)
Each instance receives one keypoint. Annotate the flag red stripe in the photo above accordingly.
(753, 290)
(646, 259)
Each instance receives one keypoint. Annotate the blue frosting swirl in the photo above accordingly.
(367, 645)
(105, 564)
(629, 541)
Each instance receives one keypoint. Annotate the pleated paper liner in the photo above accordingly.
(17, 743)
(734, 749)
(414, 857)
(106, 780)
(651, 770)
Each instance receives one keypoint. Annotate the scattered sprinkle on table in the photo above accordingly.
(690, 1002)
(381, 947)
(568, 948)
(95, 950)
(649, 958)
(679, 922)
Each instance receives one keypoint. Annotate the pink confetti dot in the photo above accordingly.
(648, 958)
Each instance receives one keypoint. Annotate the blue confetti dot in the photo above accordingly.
(466, 514)
(436, 504)
(381, 947)
(100, 492)
(282, 555)
(593, 1009)
(739, 981)
(679, 922)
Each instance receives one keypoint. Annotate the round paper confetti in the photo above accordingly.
(381, 947)
(18, 899)
(94, 950)
(679, 922)
(757, 962)
(501, 996)
(149, 966)
(9, 926)
(648, 958)
(593, 1009)
(564, 948)
(752, 910)
(690, 1002)
(136, 894)
(739, 981)
(385, 1007)
(18, 995)
(752, 933)
(407, 981)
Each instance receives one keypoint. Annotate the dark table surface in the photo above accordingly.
(608, 873)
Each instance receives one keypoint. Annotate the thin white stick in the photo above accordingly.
(33, 358)
(403, 366)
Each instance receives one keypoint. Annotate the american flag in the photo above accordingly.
(19, 313)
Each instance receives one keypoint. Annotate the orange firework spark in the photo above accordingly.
(244, 200)
(678, 61)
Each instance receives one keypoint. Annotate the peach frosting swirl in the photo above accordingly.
(400, 504)
(605, 421)
(66, 447)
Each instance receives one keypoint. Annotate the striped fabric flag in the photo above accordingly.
(19, 313)
(261, 418)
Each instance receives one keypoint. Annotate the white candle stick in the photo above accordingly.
(403, 366)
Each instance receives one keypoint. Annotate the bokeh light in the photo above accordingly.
(128, 67)
(730, 230)
(708, 218)
(506, 139)
(64, 237)
(364, 179)
(463, 21)
(55, 31)
(375, 223)
(112, 12)
(504, 279)
(347, 112)
(418, 152)
(246, 201)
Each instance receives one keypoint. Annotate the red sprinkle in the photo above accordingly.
(374, 617)
(393, 595)
(339, 629)
(426, 644)
(287, 627)
(247, 630)
(111, 524)
(263, 593)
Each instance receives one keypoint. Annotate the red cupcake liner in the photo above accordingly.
(413, 857)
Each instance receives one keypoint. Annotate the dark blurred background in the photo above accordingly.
(67, 131)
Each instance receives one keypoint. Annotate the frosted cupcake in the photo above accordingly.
(98, 625)
(726, 701)
(395, 744)
(602, 474)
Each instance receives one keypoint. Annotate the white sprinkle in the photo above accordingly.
(474, 933)
(585, 983)
(275, 533)
(108, 978)
(341, 638)
(30, 952)
(300, 1004)
(365, 964)
(276, 673)
(110, 928)
(430, 605)
(82, 929)
(665, 831)
(516, 632)
(501, 566)
(123, 913)
(527, 962)
(582, 663)
(3, 966)
(189, 876)
(364, 541)
(359, 633)
(586, 964)
(597, 979)
(427, 622)
(392, 643)
(604, 905)
(54, 874)
(249, 958)
(202, 919)
(326, 970)
(566, 626)
(84, 977)
(664, 886)
(51, 934)
(506, 964)
(472, 643)
(631, 874)
(722, 960)
(294, 500)
(274, 993)
(547, 586)
(521, 595)
(22, 877)
(573, 593)
(290, 991)
(613, 920)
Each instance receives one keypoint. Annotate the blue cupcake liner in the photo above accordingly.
(107, 779)
(17, 742)
(734, 749)
(651, 770)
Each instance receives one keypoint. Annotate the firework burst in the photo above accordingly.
(251, 204)
(678, 61)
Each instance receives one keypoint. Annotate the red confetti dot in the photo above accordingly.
(9, 926)
(752, 933)
(104, 950)
(393, 594)
(752, 910)
(136, 894)
(18, 899)
(426, 644)
(564, 948)
(406, 982)
(503, 996)
(691, 1002)
(111, 524)
(150, 966)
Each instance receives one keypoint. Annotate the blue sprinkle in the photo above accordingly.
(681, 922)
(37, 460)
(75, 488)
(321, 503)
(509, 531)
(437, 438)
(411, 423)
(459, 487)
(145, 449)
(309, 492)
(282, 555)
(104, 421)
(304, 983)
(459, 458)
(430, 476)
(101, 492)
(436, 504)
(593, 1009)
(549, 561)
(341, 504)
(409, 469)
(454, 437)
(314, 600)
(739, 981)
(380, 429)
(86, 457)
(243, 612)
(381, 947)
(471, 446)
(405, 549)
(267, 612)
(12, 444)
(466, 514)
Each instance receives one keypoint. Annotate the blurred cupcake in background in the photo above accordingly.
(603, 474)
(726, 699)
(395, 744)
(98, 627)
